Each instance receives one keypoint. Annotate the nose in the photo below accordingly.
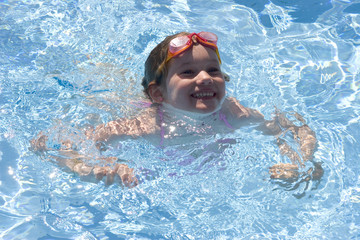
(204, 78)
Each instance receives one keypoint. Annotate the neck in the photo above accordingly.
(173, 112)
(175, 122)
(176, 112)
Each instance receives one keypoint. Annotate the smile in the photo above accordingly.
(203, 94)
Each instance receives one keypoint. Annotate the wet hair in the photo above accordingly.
(156, 68)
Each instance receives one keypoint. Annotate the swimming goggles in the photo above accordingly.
(180, 44)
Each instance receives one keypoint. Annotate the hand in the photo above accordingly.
(127, 176)
(39, 143)
(318, 171)
(284, 171)
(107, 172)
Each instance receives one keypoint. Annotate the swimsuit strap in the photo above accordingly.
(223, 118)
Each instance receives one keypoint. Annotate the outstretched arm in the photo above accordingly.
(305, 138)
(67, 156)
(65, 153)
(279, 126)
(108, 169)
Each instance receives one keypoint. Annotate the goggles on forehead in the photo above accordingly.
(180, 44)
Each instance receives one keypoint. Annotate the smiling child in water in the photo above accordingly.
(184, 81)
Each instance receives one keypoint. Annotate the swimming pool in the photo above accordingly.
(75, 63)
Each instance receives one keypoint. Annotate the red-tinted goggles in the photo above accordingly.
(180, 44)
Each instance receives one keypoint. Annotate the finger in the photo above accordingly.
(109, 177)
(99, 173)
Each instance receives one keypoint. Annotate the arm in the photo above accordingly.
(142, 125)
(109, 171)
(305, 138)
(66, 154)
(243, 115)
(278, 127)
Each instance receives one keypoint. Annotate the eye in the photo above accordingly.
(213, 70)
(187, 72)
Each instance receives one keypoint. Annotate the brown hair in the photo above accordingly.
(155, 66)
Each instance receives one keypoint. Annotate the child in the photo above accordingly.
(186, 86)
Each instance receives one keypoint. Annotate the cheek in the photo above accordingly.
(177, 87)
(222, 86)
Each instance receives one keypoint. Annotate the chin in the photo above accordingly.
(208, 106)
(206, 109)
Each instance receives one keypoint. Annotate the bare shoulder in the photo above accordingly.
(233, 107)
(147, 120)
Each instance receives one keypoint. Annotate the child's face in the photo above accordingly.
(194, 82)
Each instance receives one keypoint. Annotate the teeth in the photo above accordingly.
(203, 94)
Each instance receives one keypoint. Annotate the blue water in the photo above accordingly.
(65, 65)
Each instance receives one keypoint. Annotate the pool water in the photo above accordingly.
(70, 64)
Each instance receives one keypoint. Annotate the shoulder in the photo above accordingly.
(143, 124)
(147, 120)
(234, 108)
